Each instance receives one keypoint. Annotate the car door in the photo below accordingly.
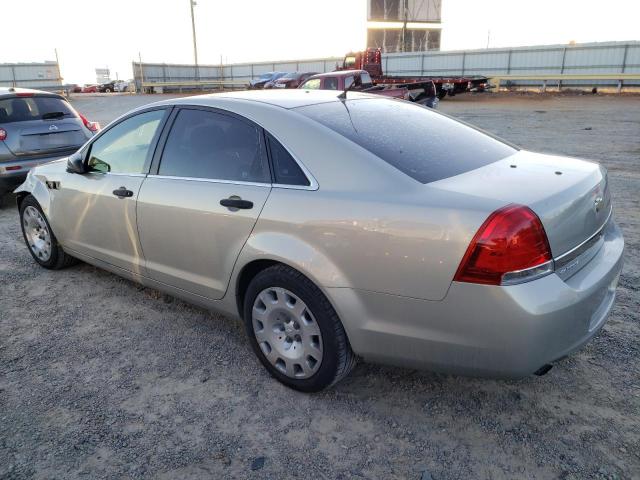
(202, 199)
(96, 211)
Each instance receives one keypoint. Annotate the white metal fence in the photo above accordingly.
(580, 59)
(45, 76)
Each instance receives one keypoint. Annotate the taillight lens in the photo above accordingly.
(510, 247)
(92, 126)
(3, 134)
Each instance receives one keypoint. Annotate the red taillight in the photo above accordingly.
(510, 247)
(24, 94)
(93, 126)
(3, 134)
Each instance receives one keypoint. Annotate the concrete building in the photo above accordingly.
(404, 25)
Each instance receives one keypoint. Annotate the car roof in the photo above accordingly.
(11, 91)
(287, 99)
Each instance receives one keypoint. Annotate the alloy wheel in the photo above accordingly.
(37, 233)
(287, 332)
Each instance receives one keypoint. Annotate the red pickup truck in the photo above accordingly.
(360, 81)
(353, 80)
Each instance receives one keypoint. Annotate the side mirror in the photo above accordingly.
(75, 163)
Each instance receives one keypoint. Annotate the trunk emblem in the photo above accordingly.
(52, 127)
(597, 203)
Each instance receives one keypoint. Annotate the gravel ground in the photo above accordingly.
(101, 378)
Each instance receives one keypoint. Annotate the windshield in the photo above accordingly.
(349, 61)
(425, 145)
(23, 109)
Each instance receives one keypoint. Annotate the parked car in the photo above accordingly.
(121, 86)
(108, 87)
(354, 80)
(259, 82)
(36, 127)
(274, 79)
(292, 80)
(90, 88)
(73, 88)
(339, 226)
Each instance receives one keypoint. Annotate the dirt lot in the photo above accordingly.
(100, 378)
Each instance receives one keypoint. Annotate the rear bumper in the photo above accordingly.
(484, 330)
(10, 179)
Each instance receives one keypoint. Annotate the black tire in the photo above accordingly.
(58, 258)
(107, 90)
(338, 358)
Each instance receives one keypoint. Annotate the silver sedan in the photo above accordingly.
(338, 228)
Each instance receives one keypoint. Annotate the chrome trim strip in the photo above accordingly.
(96, 172)
(234, 182)
(527, 274)
(210, 180)
(575, 252)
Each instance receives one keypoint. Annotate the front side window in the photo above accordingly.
(313, 84)
(330, 83)
(216, 146)
(125, 147)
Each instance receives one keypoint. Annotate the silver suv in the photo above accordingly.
(36, 127)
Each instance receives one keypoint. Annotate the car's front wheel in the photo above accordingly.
(294, 330)
(39, 237)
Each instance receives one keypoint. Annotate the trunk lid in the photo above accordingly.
(44, 137)
(570, 196)
(40, 125)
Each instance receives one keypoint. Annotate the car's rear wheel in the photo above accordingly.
(294, 330)
(39, 237)
(107, 90)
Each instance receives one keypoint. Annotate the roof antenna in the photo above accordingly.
(343, 95)
(343, 99)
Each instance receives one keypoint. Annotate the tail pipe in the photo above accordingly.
(543, 370)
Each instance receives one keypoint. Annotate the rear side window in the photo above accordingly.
(330, 83)
(206, 144)
(23, 109)
(423, 144)
(285, 169)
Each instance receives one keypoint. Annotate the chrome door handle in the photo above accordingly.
(235, 202)
(123, 193)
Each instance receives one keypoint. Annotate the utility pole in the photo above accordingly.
(55, 50)
(193, 3)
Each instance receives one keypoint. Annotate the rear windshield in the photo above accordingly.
(22, 109)
(423, 144)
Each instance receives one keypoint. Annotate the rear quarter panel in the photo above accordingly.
(410, 245)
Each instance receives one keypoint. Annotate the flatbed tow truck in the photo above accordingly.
(418, 86)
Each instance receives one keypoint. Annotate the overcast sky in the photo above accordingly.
(110, 33)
